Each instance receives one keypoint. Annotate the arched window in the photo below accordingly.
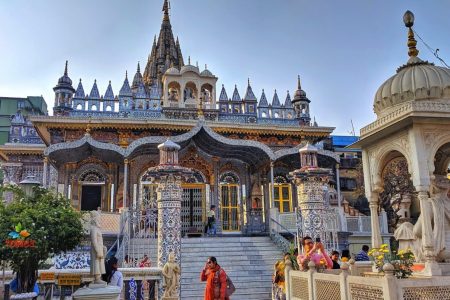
(93, 176)
(94, 107)
(79, 107)
(108, 108)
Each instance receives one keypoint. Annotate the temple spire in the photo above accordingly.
(65, 69)
(299, 86)
(165, 9)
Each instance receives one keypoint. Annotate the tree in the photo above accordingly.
(34, 228)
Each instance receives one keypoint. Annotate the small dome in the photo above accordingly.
(189, 68)
(206, 72)
(64, 80)
(417, 80)
(308, 148)
(172, 71)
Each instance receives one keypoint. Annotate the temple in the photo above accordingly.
(98, 148)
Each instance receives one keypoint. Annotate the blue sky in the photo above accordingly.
(343, 50)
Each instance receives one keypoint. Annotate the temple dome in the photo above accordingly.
(416, 81)
(172, 71)
(189, 68)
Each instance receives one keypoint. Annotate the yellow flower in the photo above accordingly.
(384, 246)
(380, 257)
(385, 251)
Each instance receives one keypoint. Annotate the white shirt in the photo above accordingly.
(117, 280)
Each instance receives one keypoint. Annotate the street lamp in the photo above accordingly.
(28, 184)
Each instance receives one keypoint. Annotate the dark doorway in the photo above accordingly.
(91, 197)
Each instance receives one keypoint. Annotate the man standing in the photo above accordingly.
(212, 220)
(216, 280)
(362, 255)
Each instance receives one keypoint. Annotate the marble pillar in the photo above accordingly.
(168, 175)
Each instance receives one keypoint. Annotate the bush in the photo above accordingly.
(34, 228)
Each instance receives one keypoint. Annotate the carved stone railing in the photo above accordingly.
(402, 111)
(342, 285)
(282, 243)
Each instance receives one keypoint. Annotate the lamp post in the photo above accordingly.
(28, 184)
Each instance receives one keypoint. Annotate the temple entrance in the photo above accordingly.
(230, 207)
(230, 202)
(193, 209)
(91, 197)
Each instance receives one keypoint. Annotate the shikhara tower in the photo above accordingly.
(166, 53)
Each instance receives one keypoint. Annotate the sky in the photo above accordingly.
(343, 50)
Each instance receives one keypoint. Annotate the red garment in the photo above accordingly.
(216, 286)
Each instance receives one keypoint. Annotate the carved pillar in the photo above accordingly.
(312, 184)
(169, 176)
(125, 182)
(45, 172)
(431, 266)
(272, 190)
(374, 219)
(338, 186)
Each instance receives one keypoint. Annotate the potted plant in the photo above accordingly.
(33, 227)
(403, 260)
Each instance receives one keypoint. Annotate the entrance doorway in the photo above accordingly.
(230, 207)
(91, 197)
(192, 209)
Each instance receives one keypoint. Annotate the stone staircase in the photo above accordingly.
(248, 261)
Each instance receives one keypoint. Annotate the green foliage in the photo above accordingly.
(293, 258)
(403, 260)
(51, 222)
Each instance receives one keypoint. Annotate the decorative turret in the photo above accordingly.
(137, 80)
(276, 106)
(263, 106)
(301, 105)
(223, 101)
(165, 52)
(108, 99)
(236, 102)
(94, 98)
(125, 95)
(250, 100)
(63, 94)
(308, 156)
(288, 108)
(79, 101)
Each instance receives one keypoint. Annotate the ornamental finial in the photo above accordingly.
(408, 19)
(65, 69)
(166, 7)
(299, 86)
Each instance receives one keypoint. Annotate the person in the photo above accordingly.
(334, 259)
(278, 287)
(113, 276)
(314, 252)
(212, 221)
(216, 280)
(345, 256)
(171, 275)
(145, 262)
(362, 255)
